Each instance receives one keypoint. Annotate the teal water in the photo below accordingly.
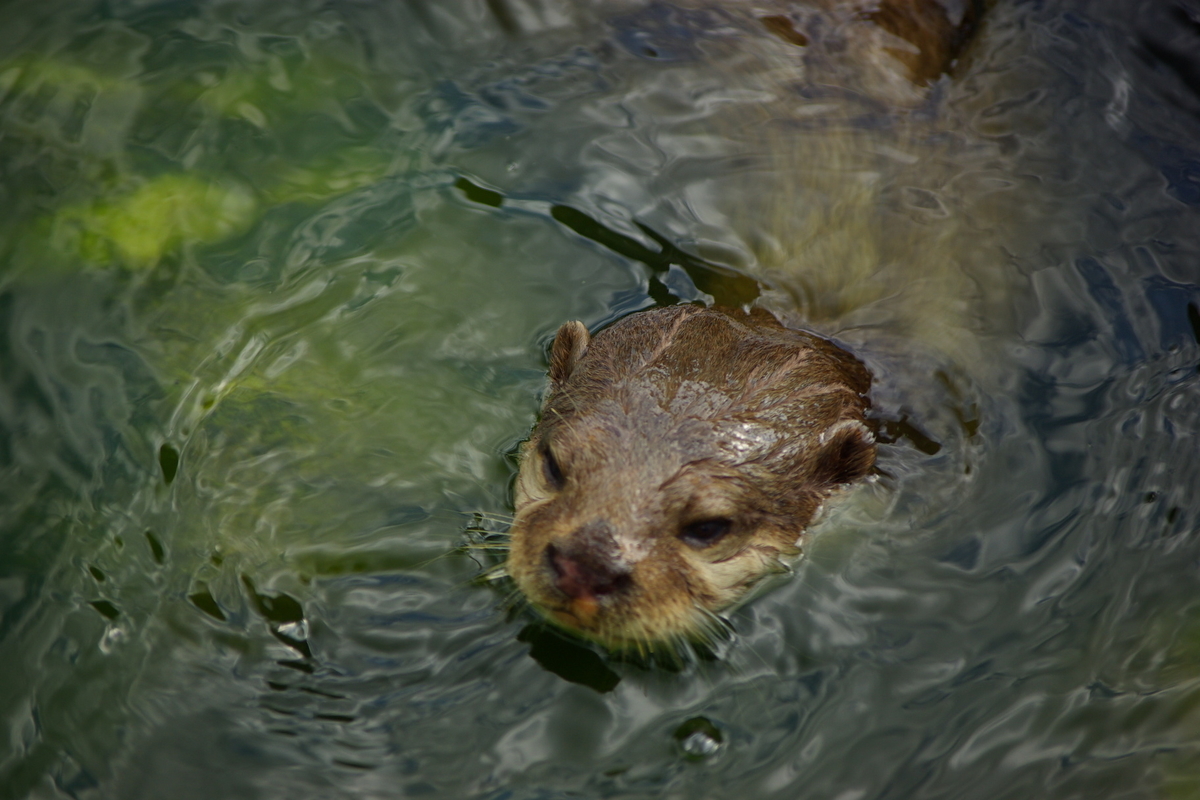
(276, 283)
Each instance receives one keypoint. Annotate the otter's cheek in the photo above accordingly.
(729, 581)
(527, 488)
(523, 561)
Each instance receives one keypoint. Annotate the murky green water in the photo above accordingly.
(275, 288)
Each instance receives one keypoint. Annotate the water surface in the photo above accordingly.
(276, 283)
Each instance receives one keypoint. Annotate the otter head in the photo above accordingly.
(680, 454)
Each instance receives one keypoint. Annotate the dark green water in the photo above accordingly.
(276, 281)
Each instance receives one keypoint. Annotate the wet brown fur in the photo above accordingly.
(889, 49)
(934, 39)
(682, 452)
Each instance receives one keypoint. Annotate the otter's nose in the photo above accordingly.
(586, 566)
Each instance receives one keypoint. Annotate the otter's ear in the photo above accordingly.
(570, 343)
(847, 453)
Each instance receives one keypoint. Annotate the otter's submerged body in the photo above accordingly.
(682, 451)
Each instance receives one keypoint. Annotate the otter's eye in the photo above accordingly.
(550, 468)
(706, 532)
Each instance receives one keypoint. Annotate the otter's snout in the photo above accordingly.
(587, 566)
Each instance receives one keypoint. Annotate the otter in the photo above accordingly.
(682, 452)
(679, 454)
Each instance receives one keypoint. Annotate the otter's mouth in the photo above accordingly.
(579, 614)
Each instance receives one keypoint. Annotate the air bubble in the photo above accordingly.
(699, 739)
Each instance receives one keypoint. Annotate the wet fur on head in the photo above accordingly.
(680, 455)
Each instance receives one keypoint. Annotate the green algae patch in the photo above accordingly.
(29, 74)
(339, 173)
(138, 228)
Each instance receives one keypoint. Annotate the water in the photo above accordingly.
(276, 286)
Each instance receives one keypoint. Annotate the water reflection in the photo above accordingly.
(276, 284)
